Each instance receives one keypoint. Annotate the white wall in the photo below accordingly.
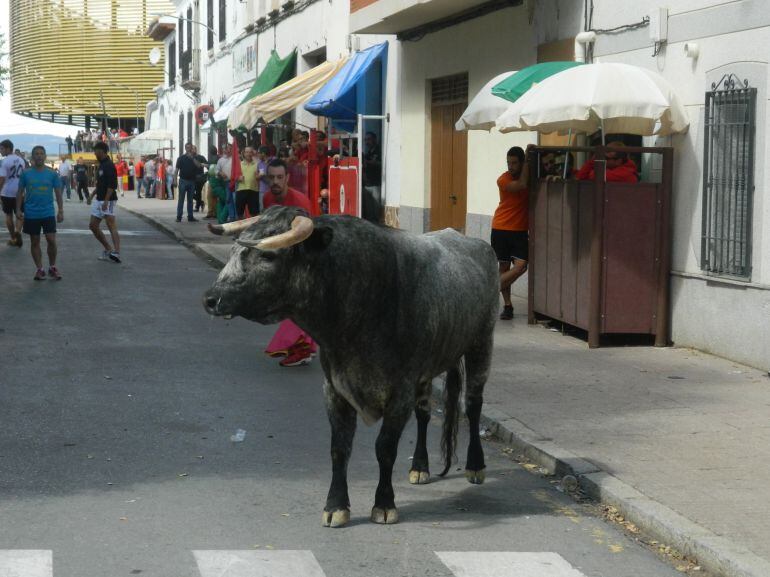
(490, 45)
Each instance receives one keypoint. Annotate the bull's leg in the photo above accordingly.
(384, 510)
(342, 418)
(477, 365)
(419, 474)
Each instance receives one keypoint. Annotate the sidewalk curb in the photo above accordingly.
(715, 554)
(211, 259)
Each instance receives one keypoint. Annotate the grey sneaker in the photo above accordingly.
(114, 256)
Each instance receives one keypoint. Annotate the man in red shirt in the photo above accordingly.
(510, 225)
(290, 340)
(280, 193)
(620, 168)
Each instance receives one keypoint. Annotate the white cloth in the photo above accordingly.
(11, 168)
(96, 208)
(65, 169)
(225, 166)
(149, 169)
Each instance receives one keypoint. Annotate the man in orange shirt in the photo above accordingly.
(510, 225)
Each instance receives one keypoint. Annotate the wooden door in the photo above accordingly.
(449, 154)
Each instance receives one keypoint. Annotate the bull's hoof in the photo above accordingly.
(419, 477)
(384, 516)
(475, 477)
(338, 518)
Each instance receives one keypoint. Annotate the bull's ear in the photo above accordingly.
(321, 238)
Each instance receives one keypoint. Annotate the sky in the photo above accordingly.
(14, 123)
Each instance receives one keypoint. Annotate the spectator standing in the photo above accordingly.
(69, 142)
(81, 180)
(149, 177)
(263, 159)
(289, 340)
(104, 208)
(37, 188)
(619, 167)
(200, 178)
(224, 171)
(168, 175)
(131, 173)
(217, 202)
(11, 168)
(65, 173)
(247, 193)
(510, 225)
(139, 176)
(211, 175)
(122, 170)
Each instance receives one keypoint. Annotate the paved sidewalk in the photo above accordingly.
(677, 439)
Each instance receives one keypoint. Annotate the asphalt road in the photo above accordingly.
(118, 399)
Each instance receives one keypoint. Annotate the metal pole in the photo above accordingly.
(360, 161)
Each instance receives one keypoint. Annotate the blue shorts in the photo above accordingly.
(33, 226)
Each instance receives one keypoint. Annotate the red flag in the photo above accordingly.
(235, 170)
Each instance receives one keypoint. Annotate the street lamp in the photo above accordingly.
(136, 96)
(159, 15)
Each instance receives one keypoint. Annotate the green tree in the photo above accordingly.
(3, 67)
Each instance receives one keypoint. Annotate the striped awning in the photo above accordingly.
(284, 98)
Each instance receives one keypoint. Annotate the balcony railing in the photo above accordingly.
(190, 67)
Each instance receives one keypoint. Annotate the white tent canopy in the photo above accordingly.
(485, 107)
(616, 98)
(149, 141)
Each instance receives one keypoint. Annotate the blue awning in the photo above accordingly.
(339, 98)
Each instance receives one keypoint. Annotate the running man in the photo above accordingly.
(11, 168)
(103, 208)
(37, 187)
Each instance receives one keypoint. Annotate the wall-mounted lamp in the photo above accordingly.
(691, 50)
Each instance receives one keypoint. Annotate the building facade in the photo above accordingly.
(710, 51)
(76, 62)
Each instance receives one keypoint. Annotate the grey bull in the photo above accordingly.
(390, 310)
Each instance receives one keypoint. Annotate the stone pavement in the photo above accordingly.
(677, 439)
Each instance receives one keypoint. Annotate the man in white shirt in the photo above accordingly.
(149, 178)
(65, 172)
(224, 170)
(11, 168)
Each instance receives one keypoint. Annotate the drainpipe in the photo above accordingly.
(580, 44)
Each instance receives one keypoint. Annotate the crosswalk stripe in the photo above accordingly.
(26, 563)
(506, 564)
(257, 563)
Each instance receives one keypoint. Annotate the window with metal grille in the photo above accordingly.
(172, 63)
(728, 178)
(222, 20)
(450, 89)
(210, 23)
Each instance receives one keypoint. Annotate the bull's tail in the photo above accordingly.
(452, 388)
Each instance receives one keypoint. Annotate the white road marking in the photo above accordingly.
(26, 563)
(88, 232)
(258, 563)
(506, 564)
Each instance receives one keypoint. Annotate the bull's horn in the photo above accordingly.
(232, 228)
(301, 228)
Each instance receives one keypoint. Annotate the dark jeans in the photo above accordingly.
(186, 189)
(82, 189)
(198, 196)
(244, 198)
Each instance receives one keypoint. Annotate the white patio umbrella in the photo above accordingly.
(485, 107)
(617, 98)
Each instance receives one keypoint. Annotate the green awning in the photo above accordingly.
(517, 84)
(276, 71)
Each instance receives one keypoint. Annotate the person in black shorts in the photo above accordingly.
(105, 203)
(510, 225)
(81, 179)
(37, 187)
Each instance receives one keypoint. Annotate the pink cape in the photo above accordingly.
(288, 336)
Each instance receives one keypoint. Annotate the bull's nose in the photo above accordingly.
(210, 302)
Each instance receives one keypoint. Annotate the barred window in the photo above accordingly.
(728, 178)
